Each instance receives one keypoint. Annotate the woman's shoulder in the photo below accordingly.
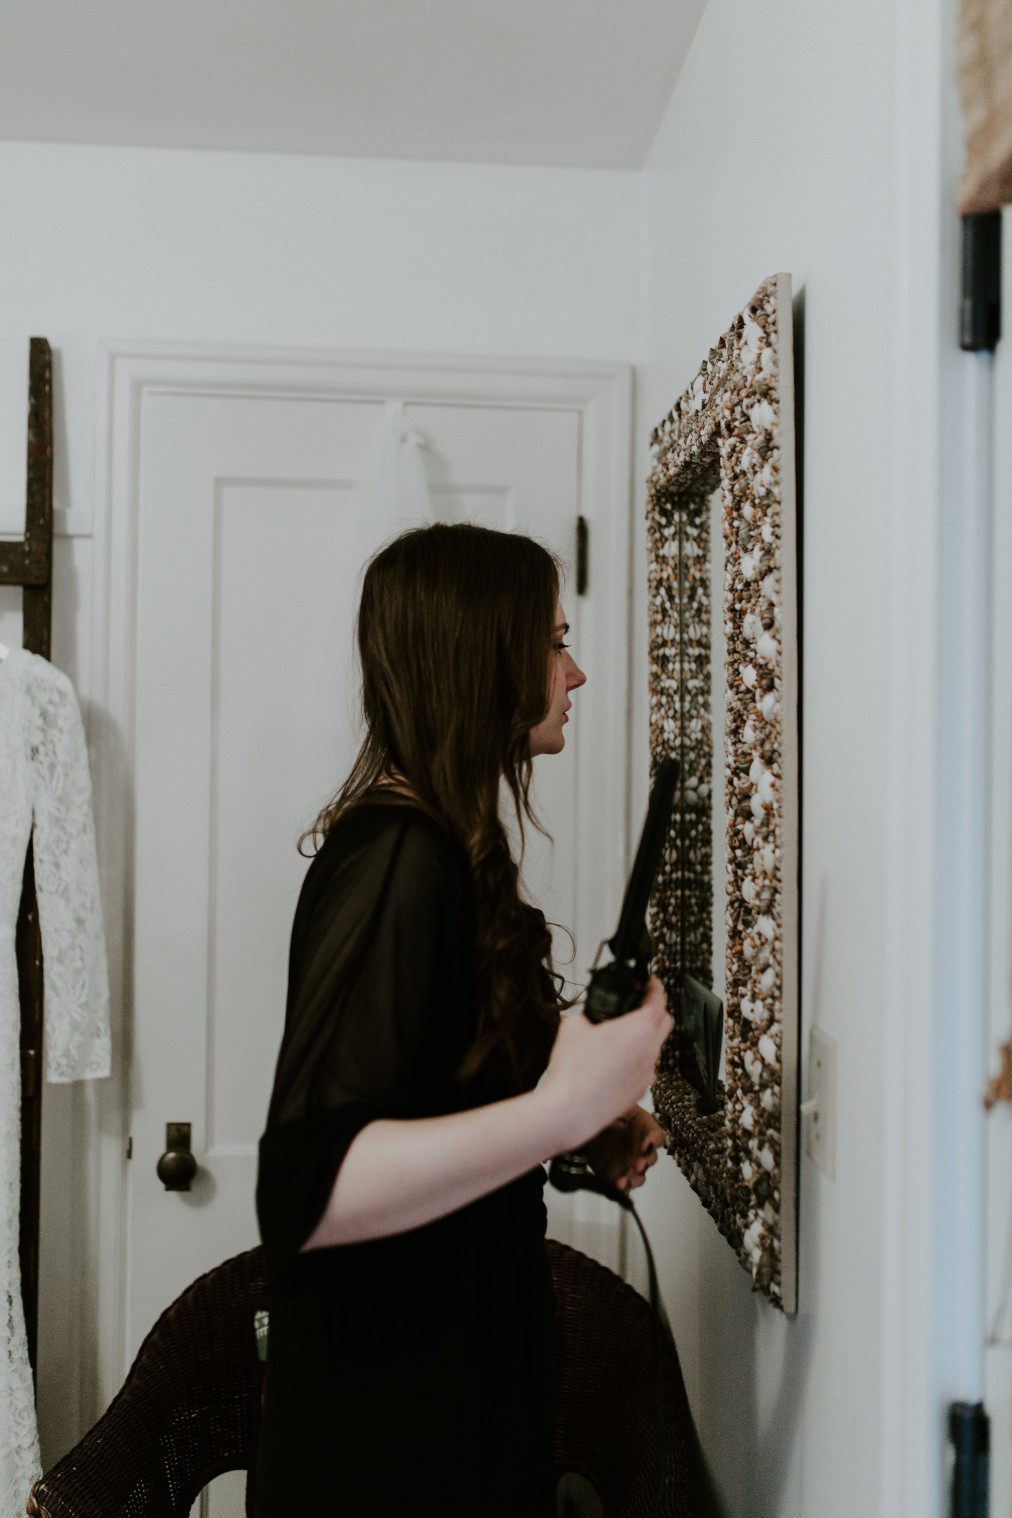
(388, 833)
(380, 861)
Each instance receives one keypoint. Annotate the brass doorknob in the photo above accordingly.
(177, 1167)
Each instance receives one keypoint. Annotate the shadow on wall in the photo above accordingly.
(753, 1375)
(754, 1361)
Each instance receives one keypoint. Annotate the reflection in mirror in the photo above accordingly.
(700, 1008)
(718, 815)
(688, 903)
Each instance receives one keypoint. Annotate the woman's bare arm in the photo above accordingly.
(400, 1174)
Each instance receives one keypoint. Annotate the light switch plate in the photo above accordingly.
(820, 1138)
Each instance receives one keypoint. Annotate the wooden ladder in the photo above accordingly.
(29, 563)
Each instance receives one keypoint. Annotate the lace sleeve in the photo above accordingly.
(66, 883)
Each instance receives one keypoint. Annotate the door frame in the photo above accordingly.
(129, 372)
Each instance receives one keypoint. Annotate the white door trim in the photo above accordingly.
(601, 392)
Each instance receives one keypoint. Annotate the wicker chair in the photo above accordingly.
(188, 1410)
(604, 1395)
(190, 1407)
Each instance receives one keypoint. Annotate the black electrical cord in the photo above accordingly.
(657, 1323)
(571, 1172)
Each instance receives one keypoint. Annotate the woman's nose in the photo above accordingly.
(574, 675)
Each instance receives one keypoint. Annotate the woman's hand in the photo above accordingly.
(403, 1173)
(598, 1071)
(624, 1152)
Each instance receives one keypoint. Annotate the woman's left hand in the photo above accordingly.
(623, 1153)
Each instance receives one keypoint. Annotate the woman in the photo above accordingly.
(400, 1184)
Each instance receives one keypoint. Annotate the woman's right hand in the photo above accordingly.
(599, 1070)
(401, 1173)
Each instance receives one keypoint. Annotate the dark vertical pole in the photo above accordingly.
(37, 600)
(968, 535)
(29, 956)
(37, 636)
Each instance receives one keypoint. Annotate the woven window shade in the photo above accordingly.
(985, 69)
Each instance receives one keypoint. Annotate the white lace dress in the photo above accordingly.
(43, 779)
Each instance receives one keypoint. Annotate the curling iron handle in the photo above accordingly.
(614, 989)
(569, 1172)
(617, 988)
(572, 1172)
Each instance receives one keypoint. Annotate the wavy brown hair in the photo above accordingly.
(455, 632)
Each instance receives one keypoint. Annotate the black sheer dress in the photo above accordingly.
(406, 1375)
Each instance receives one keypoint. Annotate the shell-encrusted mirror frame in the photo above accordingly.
(733, 427)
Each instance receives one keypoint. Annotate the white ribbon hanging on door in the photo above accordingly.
(398, 482)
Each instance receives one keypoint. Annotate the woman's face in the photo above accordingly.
(564, 675)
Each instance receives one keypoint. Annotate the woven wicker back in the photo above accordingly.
(187, 1411)
(604, 1394)
(189, 1408)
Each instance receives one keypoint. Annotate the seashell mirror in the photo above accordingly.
(724, 682)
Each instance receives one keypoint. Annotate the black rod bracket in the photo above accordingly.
(980, 283)
(970, 1436)
(582, 555)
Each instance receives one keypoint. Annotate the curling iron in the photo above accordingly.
(619, 986)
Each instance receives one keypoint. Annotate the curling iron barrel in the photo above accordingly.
(619, 986)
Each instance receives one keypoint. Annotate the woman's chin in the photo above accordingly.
(548, 743)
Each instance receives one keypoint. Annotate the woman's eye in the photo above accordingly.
(561, 646)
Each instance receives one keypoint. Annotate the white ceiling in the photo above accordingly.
(566, 82)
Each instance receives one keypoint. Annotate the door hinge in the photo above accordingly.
(130, 1147)
(970, 1436)
(582, 555)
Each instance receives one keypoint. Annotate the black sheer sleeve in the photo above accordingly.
(380, 1007)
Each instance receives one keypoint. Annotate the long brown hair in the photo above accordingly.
(455, 636)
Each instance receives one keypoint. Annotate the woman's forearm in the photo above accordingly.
(398, 1175)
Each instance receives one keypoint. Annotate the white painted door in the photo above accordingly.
(253, 522)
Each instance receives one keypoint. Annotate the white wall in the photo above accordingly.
(292, 251)
(805, 138)
(255, 249)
